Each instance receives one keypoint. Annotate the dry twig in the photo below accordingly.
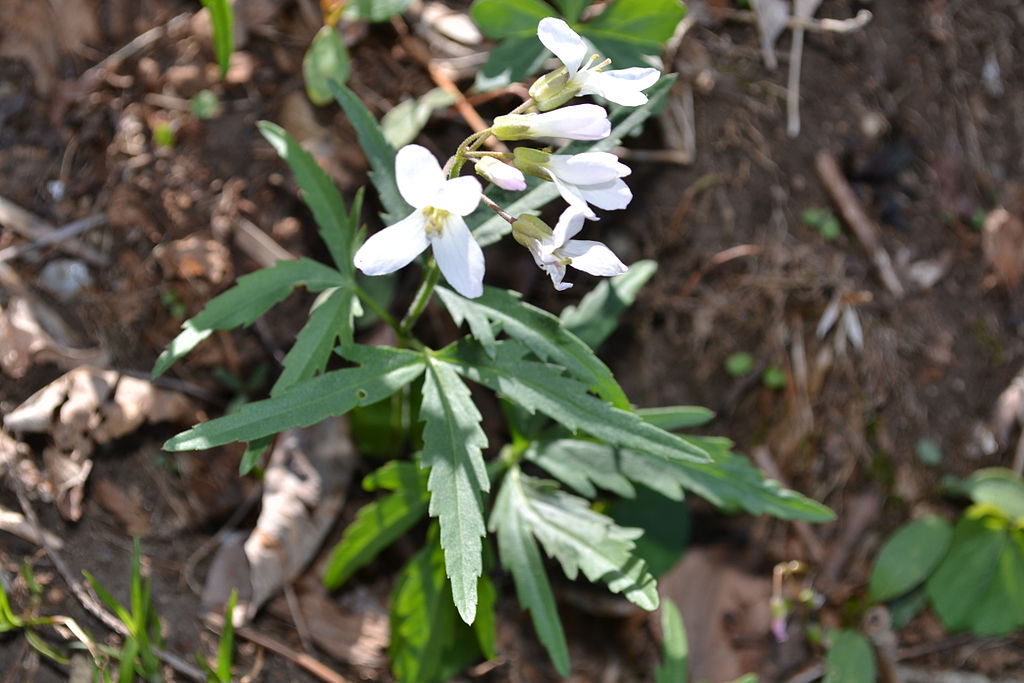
(31, 226)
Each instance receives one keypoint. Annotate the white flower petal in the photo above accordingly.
(621, 86)
(459, 195)
(418, 175)
(593, 257)
(588, 168)
(568, 226)
(609, 196)
(578, 122)
(556, 271)
(393, 247)
(563, 41)
(503, 175)
(571, 194)
(460, 258)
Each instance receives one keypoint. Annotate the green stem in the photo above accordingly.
(419, 303)
(372, 304)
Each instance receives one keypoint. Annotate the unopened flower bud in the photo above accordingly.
(532, 161)
(579, 122)
(501, 174)
(554, 89)
(528, 230)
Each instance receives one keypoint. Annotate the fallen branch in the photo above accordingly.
(857, 219)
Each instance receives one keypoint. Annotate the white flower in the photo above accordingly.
(578, 122)
(622, 86)
(501, 174)
(437, 222)
(582, 179)
(553, 250)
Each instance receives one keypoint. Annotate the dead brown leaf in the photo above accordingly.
(38, 33)
(1002, 243)
(194, 257)
(126, 506)
(24, 340)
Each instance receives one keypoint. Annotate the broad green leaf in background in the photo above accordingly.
(584, 540)
(540, 386)
(452, 443)
(582, 465)
(571, 9)
(540, 331)
(222, 19)
(379, 153)
(329, 321)
(729, 482)
(597, 314)
(383, 371)
(325, 60)
(520, 556)
(979, 586)
(375, 10)
(673, 418)
(488, 228)
(666, 524)
(909, 557)
(406, 119)
(509, 18)
(337, 226)
(250, 298)
(629, 30)
(851, 659)
(674, 648)
(997, 486)
(378, 524)
(485, 626)
(511, 62)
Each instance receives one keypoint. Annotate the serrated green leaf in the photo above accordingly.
(582, 465)
(325, 60)
(584, 540)
(540, 331)
(383, 372)
(330, 320)
(909, 557)
(378, 152)
(378, 524)
(539, 386)
(222, 19)
(597, 314)
(520, 556)
(729, 481)
(509, 18)
(452, 443)
(673, 418)
(511, 62)
(979, 586)
(647, 23)
(851, 659)
(337, 227)
(674, 648)
(252, 296)
(489, 229)
(571, 9)
(375, 10)
(405, 120)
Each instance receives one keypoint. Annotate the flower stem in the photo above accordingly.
(372, 304)
(497, 209)
(419, 302)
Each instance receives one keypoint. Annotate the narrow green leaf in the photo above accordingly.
(582, 465)
(43, 648)
(109, 600)
(597, 314)
(452, 443)
(330, 320)
(673, 418)
(979, 586)
(851, 659)
(375, 10)
(378, 152)
(909, 557)
(254, 450)
(325, 60)
(377, 525)
(222, 18)
(519, 554)
(250, 298)
(226, 646)
(584, 540)
(674, 648)
(384, 371)
(540, 331)
(539, 386)
(511, 62)
(509, 18)
(488, 229)
(337, 226)
(395, 475)
(405, 120)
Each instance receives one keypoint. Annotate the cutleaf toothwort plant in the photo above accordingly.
(566, 414)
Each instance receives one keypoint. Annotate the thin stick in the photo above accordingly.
(854, 215)
(850, 25)
(133, 47)
(31, 226)
(497, 209)
(90, 602)
(66, 232)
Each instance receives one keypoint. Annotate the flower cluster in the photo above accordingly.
(441, 198)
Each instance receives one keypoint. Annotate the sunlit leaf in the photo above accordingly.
(908, 557)
(597, 314)
(222, 19)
